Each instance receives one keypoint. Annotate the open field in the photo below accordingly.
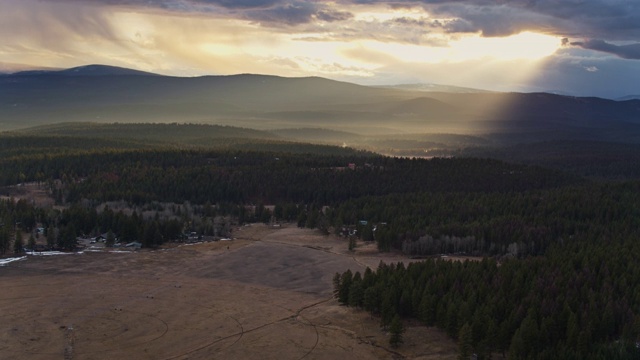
(33, 193)
(265, 295)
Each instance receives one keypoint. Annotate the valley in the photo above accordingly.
(266, 294)
(369, 222)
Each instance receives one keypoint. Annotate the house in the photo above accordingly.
(103, 237)
(100, 238)
(134, 245)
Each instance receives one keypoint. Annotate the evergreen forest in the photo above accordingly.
(554, 271)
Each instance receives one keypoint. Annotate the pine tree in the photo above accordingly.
(18, 245)
(367, 232)
(517, 349)
(465, 339)
(302, 219)
(452, 320)
(356, 291)
(4, 241)
(336, 285)
(111, 239)
(312, 219)
(383, 238)
(388, 309)
(426, 311)
(345, 285)
(151, 236)
(31, 243)
(371, 301)
(396, 329)
(322, 224)
(67, 238)
(352, 243)
(52, 237)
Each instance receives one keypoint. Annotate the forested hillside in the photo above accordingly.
(593, 159)
(108, 95)
(559, 276)
(579, 301)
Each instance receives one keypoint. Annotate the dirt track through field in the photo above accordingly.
(266, 296)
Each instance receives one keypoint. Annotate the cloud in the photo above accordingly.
(282, 62)
(490, 21)
(266, 12)
(240, 4)
(631, 51)
(332, 15)
(33, 32)
(297, 12)
(571, 71)
(370, 56)
(611, 20)
(344, 39)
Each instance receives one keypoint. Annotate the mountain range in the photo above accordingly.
(105, 94)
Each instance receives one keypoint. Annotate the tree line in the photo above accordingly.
(479, 223)
(561, 281)
(466, 205)
(579, 301)
(151, 225)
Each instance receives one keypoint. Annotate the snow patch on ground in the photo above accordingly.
(102, 250)
(50, 253)
(203, 242)
(191, 244)
(4, 262)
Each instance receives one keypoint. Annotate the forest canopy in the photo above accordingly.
(559, 276)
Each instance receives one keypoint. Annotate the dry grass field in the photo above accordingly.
(264, 295)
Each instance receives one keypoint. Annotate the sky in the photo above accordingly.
(576, 47)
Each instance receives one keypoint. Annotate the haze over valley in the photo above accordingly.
(345, 112)
(294, 179)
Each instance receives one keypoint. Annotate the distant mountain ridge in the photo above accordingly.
(87, 70)
(99, 93)
(629, 97)
(428, 87)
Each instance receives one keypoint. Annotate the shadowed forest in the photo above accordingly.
(517, 215)
(558, 242)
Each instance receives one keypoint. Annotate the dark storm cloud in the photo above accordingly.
(631, 51)
(266, 12)
(573, 71)
(491, 21)
(597, 19)
(298, 12)
(611, 20)
(168, 4)
(238, 4)
(287, 14)
(332, 15)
